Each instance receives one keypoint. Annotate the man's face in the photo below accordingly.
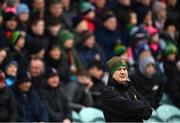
(111, 24)
(38, 28)
(36, 68)
(25, 87)
(53, 81)
(121, 75)
(56, 10)
(11, 24)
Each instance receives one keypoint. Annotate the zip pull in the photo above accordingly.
(135, 97)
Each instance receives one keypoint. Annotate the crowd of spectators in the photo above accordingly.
(53, 54)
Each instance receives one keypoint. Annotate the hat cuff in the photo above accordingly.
(116, 67)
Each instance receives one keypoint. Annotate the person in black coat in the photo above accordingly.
(8, 109)
(54, 97)
(121, 102)
(147, 81)
(31, 107)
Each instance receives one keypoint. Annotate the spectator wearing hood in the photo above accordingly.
(89, 50)
(107, 35)
(67, 43)
(8, 112)
(58, 108)
(147, 82)
(31, 107)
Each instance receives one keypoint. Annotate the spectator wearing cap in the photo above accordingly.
(87, 16)
(23, 16)
(55, 58)
(17, 42)
(10, 69)
(121, 102)
(8, 112)
(30, 106)
(58, 108)
(67, 44)
(89, 50)
(107, 35)
(147, 81)
(78, 91)
(10, 24)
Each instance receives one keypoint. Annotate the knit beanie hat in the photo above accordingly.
(107, 16)
(170, 49)
(14, 37)
(119, 50)
(22, 8)
(10, 16)
(115, 63)
(22, 77)
(50, 72)
(11, 62)
(65, 35)
(35, 46)
(86, 7)
(144, 62)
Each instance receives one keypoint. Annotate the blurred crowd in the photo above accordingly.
(53, 54)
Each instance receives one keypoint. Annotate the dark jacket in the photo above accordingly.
(88, 55)
(96, 90)
(77, 95)
(122, 103)
(107, 40)
(8, 109)
(56, 102)
(150, 88)
(172, 86)
(30, 106)
(61, 65)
